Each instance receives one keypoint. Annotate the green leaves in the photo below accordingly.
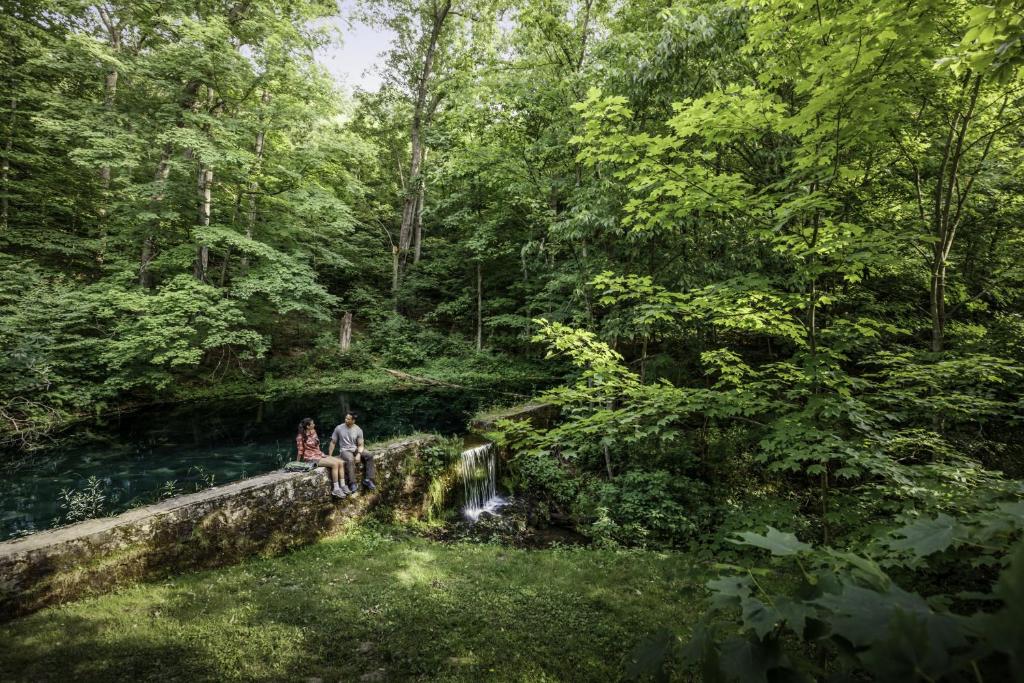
(926, 536)
(993, 42)
(584, 350)
(174, 329)
(649, 657)
(846, 600)
(775, 541)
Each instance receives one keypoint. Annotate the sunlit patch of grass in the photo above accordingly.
(366, 601)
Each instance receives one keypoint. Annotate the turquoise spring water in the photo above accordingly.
(139, 458)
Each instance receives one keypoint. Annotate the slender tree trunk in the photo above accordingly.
(948, 206)
(224, 267)
(227, 254)
(418, 229)
(479, 307)
(411, 202)
(205, 185)
(110, 91)
(109, 94)
(345, 337)
(423, 111)
(529, 301)
(394, 276)
(163, 170)
(109, 88)
(254, 182)
(643, 360)
(938, 301)
(5, 170)
(824, 507)
(204, 182)
(418, 236)
(254, 187)
(609, 405)
(607, 452)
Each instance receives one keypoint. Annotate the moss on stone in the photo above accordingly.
(264, 515)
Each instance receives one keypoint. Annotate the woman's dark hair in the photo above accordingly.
(306, 421)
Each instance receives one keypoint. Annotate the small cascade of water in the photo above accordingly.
(480, 480)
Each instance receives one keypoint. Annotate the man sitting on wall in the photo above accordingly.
(349, 438)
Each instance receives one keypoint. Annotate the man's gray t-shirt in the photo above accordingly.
(346, 437)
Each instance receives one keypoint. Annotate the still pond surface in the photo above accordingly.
(141, 457)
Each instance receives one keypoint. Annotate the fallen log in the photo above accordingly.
(406, 377)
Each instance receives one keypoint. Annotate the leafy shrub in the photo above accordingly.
(845, 607)
(203, 478)
(404, 343)
(85, 503)
(544, 476)
(640, 506)
(437, 457)
(157, 336)
(168, 489)
(539, 471)
(329, 356)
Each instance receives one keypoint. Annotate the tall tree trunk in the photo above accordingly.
(5, 169)
(109, 93)
(479, 307)
(345, 337)
(938, 301)
(204, 182)
(227, 253)
(254, 182)
(114, 29)
(163, 170)
(109, 87)
(394, 276)
(948, 206)
(411, 201)
(418, 237)
(254, 187)
(418, 231)
(423, 111)
(643, 360)
(609, 406)
(205, 185)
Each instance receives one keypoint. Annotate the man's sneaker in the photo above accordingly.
(352, 489)
(338, 492)
(370, 486)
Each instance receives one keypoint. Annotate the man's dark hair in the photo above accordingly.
(355, 415)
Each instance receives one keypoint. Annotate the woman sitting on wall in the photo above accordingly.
(307, 444)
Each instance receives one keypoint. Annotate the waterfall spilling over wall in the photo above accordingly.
(480, 480)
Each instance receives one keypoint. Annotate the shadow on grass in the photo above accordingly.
(77, 649)
(371, 605)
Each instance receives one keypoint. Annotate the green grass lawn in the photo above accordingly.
(377, 602)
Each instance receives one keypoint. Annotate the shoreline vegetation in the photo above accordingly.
(447, 374)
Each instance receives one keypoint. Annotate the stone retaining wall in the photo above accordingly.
(261, 515)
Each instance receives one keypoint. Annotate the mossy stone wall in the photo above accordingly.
(267, 514)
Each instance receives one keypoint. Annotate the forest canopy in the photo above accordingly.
(773, 249)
